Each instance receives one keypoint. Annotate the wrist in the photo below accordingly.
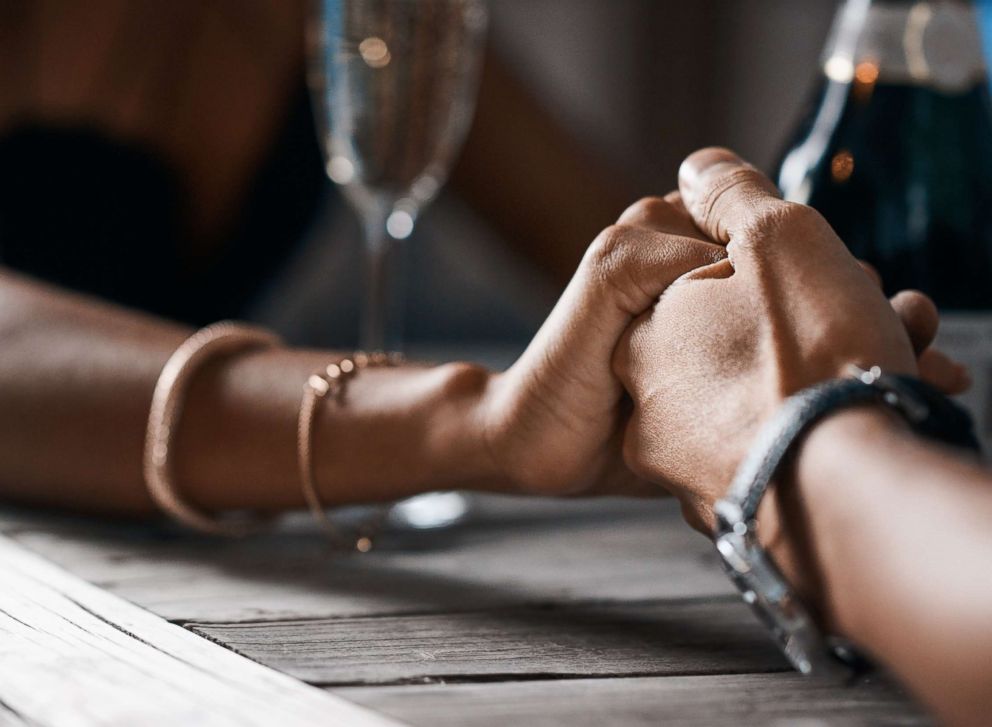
(463, 456)
(403, 432)
(812, 515)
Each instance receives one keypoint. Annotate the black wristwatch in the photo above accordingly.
(928, 412)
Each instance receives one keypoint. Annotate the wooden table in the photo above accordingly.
(531, 612)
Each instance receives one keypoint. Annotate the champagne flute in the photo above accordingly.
(394, 85)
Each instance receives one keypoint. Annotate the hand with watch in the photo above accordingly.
(781, 398)
(745, 559)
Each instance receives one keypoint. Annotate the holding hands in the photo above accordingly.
(726, 343)
(714, 303)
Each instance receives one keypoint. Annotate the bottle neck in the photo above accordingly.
(936, 44)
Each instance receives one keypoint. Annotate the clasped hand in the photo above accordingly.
(686, 325)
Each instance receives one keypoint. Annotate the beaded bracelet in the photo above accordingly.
(331, 383)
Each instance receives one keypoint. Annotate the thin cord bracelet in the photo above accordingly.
(331, 382)
(222, 338)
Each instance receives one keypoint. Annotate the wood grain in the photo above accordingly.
(510, 552)
(662, 637)
(73, 654)
(714, 701)
(542, 613)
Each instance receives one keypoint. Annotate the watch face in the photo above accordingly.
(754, 573)
(766, 591)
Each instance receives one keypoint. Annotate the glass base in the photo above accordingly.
(433, 510)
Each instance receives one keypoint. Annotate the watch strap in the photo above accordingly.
(749, 566)
(928, 412)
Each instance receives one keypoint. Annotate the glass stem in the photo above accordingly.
(379, 283)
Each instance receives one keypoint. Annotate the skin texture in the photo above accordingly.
(77, 376)
(739, 300)
(890, 536)
(787, 307)
(206, 88)
(712, 312)
(886, 535)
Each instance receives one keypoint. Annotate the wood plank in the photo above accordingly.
(715, 701)
(660, 637)
(73, 654)
(574, 551)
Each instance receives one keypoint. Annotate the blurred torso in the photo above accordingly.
(203, 90)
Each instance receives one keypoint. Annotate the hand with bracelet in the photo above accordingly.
(883, 535)
(102, 408)
(77, 378)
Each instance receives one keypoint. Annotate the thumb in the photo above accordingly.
(738, 206)
(723, 193)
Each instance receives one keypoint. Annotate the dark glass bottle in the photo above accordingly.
(897, 155)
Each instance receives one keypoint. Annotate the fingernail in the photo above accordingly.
(697, 164)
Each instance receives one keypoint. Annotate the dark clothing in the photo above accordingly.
(92, 214)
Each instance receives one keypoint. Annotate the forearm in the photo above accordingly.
(898, 531)
(396, 432)
(76, 380)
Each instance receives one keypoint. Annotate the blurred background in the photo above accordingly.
(637, 84)
(643, 81)
(130, 133)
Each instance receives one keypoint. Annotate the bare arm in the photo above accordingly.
(900, 533)
(77, 375)
(887, 534)
(76, 378)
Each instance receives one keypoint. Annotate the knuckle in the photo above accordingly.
(776, 218)
(611, 262)
(803, 216)
(649, 208)
(608, 250)
(612, 266)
